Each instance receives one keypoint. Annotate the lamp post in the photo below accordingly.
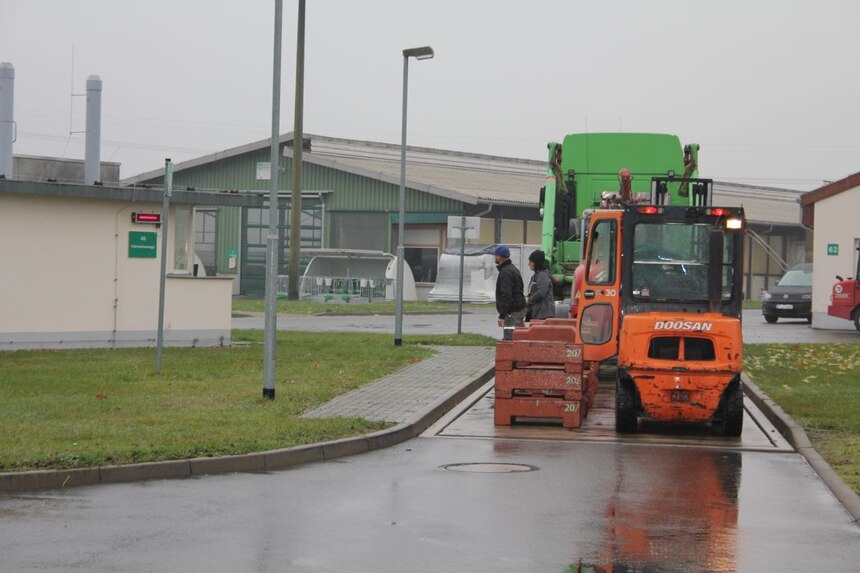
(422, 53)
(270, 334)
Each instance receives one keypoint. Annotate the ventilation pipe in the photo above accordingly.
(94, 131)
(7, 124)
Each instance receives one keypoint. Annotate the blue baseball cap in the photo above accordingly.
(502, 251)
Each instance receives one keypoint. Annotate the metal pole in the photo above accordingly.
(271, 320)
(165, 215)
(462, 255)
(398, 304)
(7, 117)
(422, 53)
(298, 137)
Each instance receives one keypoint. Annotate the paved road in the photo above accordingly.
(483, 321)
(407, 509)
(477, 321)
(757, 331)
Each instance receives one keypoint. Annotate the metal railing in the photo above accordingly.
(346, 289)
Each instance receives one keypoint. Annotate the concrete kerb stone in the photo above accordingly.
(226, 464)
(799, 440)
(283, 458)
(48, 479)
(391, 436)
(261, 461)
(145, 471)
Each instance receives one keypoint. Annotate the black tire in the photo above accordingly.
(625, 408)
(732, 410)
(770, 319)
(857, 319)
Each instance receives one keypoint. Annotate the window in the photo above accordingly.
(421, 247)
(359, 231)
(255, 225)
(601, 260)
(205, 223)
(423, 262)
(671, 262)
(182, 240)
(596, 323)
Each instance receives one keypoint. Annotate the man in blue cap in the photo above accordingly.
(510, 300)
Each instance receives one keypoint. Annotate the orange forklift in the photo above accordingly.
(662, 290)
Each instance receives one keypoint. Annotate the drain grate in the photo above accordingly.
(495, 468)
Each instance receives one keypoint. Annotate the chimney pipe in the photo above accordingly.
(94, 131)
(7, 123)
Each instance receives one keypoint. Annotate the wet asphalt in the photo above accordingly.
(402, 509)
(466, 503)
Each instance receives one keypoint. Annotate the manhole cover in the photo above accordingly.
(494, 468)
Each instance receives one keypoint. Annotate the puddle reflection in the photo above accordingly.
(671, 511)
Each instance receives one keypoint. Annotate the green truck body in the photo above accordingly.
(586, 165)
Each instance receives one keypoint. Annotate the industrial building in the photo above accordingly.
(350, 201)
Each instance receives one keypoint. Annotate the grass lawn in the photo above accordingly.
(819, 386)
(377, 307)
(85, 408)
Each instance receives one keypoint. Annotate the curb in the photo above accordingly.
(254, 462)
(799, 440)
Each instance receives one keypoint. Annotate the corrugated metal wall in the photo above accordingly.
(349, 193)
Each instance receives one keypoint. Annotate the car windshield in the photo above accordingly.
(796, 278)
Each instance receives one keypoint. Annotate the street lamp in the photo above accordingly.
(422, 53)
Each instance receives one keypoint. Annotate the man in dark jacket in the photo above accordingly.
(510, 300)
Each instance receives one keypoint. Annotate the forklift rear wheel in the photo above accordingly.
(733, 410)
(625, 408)
(770, 319)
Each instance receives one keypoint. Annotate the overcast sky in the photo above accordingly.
(769, 88)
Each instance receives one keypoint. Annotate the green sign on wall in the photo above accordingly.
(142, 244)
(832, 249)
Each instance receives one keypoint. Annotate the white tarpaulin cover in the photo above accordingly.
(479, 273)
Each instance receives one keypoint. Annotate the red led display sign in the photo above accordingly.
(153, 218)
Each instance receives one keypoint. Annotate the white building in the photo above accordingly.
(834, 212)
(78, 271)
